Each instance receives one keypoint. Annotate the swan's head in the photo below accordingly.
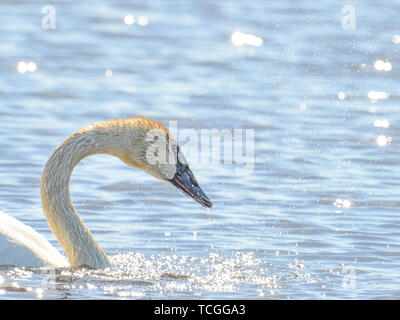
(150, 147)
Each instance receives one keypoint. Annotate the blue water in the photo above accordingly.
(317, 217)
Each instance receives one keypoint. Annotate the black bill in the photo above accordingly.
(185, 180)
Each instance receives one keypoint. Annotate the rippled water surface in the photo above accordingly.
(316, 217)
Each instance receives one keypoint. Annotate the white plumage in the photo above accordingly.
(20, 245)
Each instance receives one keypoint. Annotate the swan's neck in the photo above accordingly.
(75, 238)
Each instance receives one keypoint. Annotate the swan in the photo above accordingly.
(135, 141)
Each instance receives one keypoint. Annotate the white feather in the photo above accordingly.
(20, 245)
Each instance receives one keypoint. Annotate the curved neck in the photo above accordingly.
(75, 238)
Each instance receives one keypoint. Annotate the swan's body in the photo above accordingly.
(20, 245)
(128, 139)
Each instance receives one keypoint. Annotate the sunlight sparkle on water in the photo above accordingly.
(381, 65)
(378, 95)
(342, 203)
(143, 21)
(303, 106)
(31, 66)
(129, 19)
(108, 72)
(383, 140)
(179, 273)
(39, 293)
(24, 67)
(381, 123)
(239, 39)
